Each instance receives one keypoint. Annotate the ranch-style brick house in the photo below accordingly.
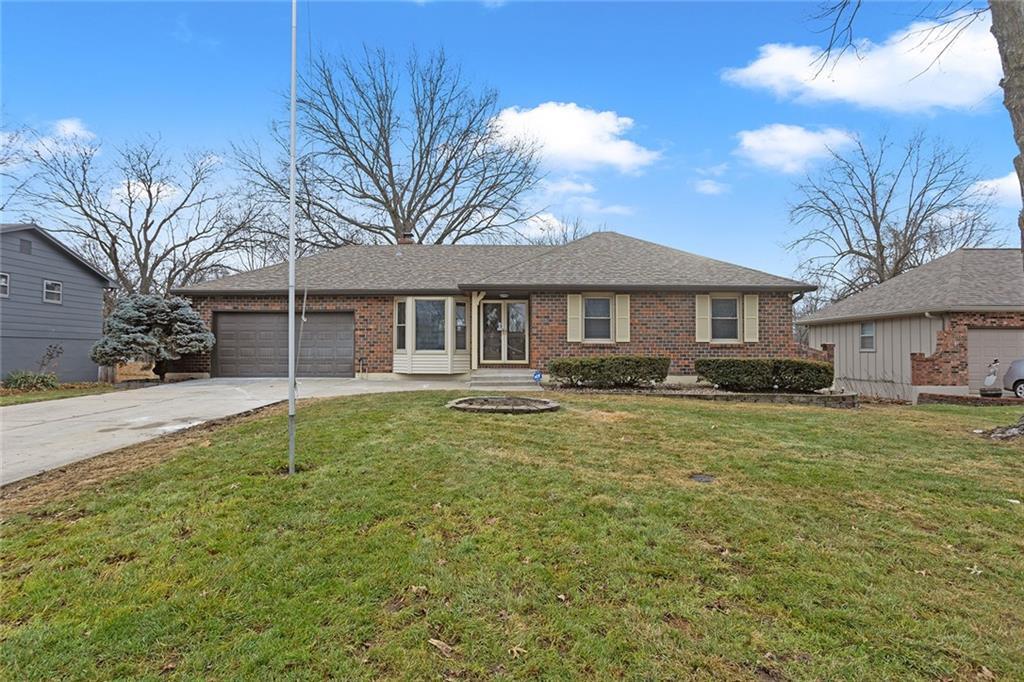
(934, 329)
(412, 309)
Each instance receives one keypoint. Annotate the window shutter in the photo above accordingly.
(622, 318)
(574, 318)
(703, 317)
(750, 320)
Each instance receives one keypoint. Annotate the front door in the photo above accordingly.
(503, 331)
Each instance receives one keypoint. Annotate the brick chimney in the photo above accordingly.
(407, 238)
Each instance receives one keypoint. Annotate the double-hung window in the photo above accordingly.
(5, 285)
(430, 324)
(867, 336)
(597, 318)
(460, 326)
(400, 325)
(725, 318)
(52, 292)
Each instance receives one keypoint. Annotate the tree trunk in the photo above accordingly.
(1008, 28)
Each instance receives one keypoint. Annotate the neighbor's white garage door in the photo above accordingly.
(985, 345)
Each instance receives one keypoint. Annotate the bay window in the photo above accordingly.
(430, 324)
(460, 326)
(400, 325)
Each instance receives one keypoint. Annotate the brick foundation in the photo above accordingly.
(947, 366)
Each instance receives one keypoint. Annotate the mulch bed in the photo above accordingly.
(980, 401)
(697, 392)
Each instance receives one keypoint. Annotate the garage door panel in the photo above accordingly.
(256, 344)
(985, 345)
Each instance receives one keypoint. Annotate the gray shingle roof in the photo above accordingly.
(71, 253)
(964, 280)
(600, 260)
(615, 261)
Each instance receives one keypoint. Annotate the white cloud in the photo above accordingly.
(594, 206)
(709, 186)
(897, 74)
(566, 186)
(72, 128)
(1005, 190)
(540, 225)
(575, 138)
(715, 171)
(789, 148)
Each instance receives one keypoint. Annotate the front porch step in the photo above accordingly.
(503, 380)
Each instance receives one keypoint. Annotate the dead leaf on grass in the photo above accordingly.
(516, 651)
(445, 649)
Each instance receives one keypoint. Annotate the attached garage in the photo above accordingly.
(256, 345)
(986, 345)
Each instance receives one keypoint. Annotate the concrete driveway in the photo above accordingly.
(37, 437)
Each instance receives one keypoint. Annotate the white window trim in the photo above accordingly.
(6, 281)
(739, 317)
(60, 291)
(447, 328)
(611, 318)
(873, 336)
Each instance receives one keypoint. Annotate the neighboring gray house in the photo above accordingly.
(934, 329)
(48, 295)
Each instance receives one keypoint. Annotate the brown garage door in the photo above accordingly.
(256, 345)
(985, 345)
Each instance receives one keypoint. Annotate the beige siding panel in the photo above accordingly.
(431, 363)
(886, 372)
(460, 362)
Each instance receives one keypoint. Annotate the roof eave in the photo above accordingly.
(605, 286)
(838, 319)
(317, 292)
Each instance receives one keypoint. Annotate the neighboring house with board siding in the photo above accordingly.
(412, 309)
(934, 329)
(49, 295)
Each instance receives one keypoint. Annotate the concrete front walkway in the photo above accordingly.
(37, 437)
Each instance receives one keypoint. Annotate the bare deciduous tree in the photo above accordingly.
(556, 231)
(15, 172)
(152, 223)
(385, 158)
(950, 19)
(876, 213)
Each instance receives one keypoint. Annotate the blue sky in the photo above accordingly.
(648, 131)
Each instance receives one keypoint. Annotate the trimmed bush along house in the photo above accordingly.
(411, 309)
(934, 329)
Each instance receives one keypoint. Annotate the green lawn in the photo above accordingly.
(879, 543)
(70, 392)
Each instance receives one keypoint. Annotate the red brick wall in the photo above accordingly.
(664, 323)
(373, 322)
(660, 324)
(947, 366)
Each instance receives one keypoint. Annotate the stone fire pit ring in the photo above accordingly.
(503, 404)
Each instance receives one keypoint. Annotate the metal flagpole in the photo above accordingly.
(291, 263)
